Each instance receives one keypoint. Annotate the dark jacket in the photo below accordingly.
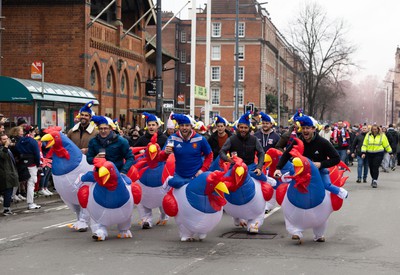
(145, 139)
(8, 170)
(246, 148)
(393, 138)
(267, 140)
(28, 150)
(317, 150)
(213, 141)
(117, 151)
(357, 144)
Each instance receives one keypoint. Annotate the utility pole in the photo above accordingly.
(159, 82)
(237, 63)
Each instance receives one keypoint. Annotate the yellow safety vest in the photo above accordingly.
(376, 144)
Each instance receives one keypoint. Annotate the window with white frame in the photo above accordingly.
(183, 37)
(182, 77)
(216, 30)
(240, 73)
(216, 52)
(241, 30)
(241, 52)
(215, 96)
(215, 73)
(183, 56)
(241, 96)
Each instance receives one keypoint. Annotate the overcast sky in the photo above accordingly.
(374, 26)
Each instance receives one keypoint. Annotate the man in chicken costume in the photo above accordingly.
(109, 200)
(152, 175)
(68, 165)
(307, 202)
(197, 205)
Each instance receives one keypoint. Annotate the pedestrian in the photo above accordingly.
(266, 135)
(193, 154)
(393, 138)
(8, 174)
(84, 130)
(153, 124)
(340, 139)
(29, 153)
(374, 146)
(219, 137)
(326, 132)
(109, 145)
(362, 163)
(245, 145)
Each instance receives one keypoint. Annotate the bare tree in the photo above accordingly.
(322, 46)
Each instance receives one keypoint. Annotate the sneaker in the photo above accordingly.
(48, 192)
(146, 225)
(21, 197)
(32, 206)
(8, 212)
(393, 168)
(42, 192)
(364, 180)
(16, 199)
(358, 180)
(320, 240)
(374, 184)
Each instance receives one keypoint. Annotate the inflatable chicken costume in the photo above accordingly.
(305, 201)
(152, 175)
(68, 165)
(109, 200)
(247, 197)
(197, 206)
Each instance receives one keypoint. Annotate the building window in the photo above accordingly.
(240, 95)
(123, 83)
(183, 37)
(241, 52)
(93, 74)
(182, 77)
(109, 79)
(241, 30)
(216, 30)
(215, 96)
(240, 73)
(135, 85)
(215, 73)
(216, 52)
(183, 56)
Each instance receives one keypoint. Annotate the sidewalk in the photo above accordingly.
(41, 200)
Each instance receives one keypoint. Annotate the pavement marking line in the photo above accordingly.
(61, 224)
(272, 212)
(182, 268)
(56, 208)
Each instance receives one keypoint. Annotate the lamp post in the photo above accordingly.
(237, 62)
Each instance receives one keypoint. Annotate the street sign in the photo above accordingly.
(168, 103)
(151, 87)
(181, 100)
(200, 93)
(36, 70)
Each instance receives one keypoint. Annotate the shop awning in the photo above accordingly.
(24, 90)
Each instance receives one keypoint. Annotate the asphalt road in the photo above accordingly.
(362, 238)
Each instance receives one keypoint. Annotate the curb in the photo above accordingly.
(41, 200)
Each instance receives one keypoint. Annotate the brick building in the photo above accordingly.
(260, 44)
(98, 55)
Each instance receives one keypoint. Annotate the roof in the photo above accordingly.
(229, 7)
(25, 90)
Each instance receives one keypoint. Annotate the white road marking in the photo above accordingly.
(272, 212)
(62, 207)
(61, 224)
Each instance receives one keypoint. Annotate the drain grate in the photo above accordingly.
(246, 235)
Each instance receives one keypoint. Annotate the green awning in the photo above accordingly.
(24, 90)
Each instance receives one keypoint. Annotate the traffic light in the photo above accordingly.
(249, 107)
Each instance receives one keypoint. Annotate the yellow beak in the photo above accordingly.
(104, 174)
(267, 160)
(239, 171)
(152, 151)
(298, 166)
(221, 187)
(49, 138)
